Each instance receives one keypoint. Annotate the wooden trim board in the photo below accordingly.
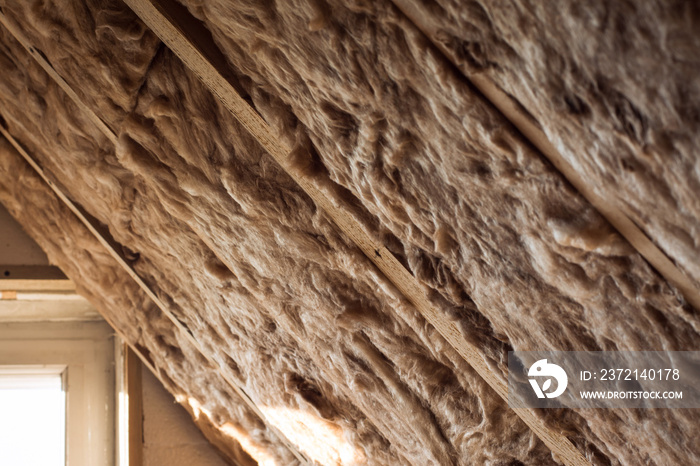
(45, 286)
(134, 391)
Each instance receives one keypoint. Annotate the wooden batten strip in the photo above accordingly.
(617, 218)
(110, 245)
(130, 414)
(199, 53)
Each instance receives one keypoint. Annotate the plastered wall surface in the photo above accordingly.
(275, 295)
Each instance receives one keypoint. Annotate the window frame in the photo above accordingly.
(87, 350)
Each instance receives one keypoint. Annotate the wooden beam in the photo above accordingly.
(617, 218)
(115, 251)
(46, 309)
(134, 391)
(129, 404)
(183, 35)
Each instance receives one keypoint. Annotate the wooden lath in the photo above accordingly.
(613, 214)
(180, 33)
(115, 251)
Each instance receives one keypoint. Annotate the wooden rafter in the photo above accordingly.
(201, 56)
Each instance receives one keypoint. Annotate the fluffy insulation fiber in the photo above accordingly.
(283, 302)
(478, 214)
(182, 369)
(613, 85)
(87, 41)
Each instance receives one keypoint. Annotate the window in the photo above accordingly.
(33, 406)
(54, 369)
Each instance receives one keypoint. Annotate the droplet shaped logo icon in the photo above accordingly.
(542, 368)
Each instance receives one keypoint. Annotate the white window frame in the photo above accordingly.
(87, 351)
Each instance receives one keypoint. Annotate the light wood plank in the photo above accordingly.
(206, 62)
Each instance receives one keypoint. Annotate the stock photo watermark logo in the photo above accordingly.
(541, 369)
(604, 379)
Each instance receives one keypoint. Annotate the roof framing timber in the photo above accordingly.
(185, 36)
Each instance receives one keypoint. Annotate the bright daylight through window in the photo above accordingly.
(32, 406)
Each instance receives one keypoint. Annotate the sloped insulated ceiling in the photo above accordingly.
(613, 86)
(259, 309)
